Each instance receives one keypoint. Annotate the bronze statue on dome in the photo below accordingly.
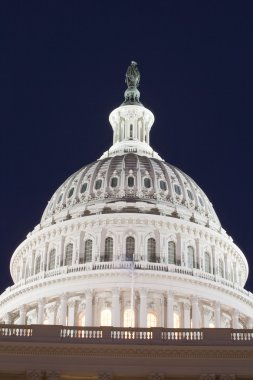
(132, 75)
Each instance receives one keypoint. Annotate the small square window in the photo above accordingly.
(147, 183)
(98, 184)
(163, 185)
(114, 182)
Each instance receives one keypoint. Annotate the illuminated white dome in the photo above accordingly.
(129, 240)
(131, 183)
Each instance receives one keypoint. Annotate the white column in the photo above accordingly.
(217, 315)
(250, 323)
(195, 313)
(143, 308)
(187, 315)
(170, 309)
(22, 315)
(63, 309)
(7, 318)
(40, 316)
(116, 307)
(51, 313)
(71, 312)
(235, 319)
(88, 308)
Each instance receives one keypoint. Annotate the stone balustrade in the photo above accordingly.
(114, 335)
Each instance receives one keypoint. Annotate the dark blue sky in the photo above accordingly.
(62, 71)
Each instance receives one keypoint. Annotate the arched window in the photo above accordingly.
(128, 318)
(190, 257)
(130, 247)
(108, 249)
(71, 192)
(106, 318)
(151, 250)
(69, 254)
(221, 268)
(37, 265)
(151, 320)
(130, 182)
(51, 261)
(207, 263)
(114, 182)
(88, 251)
(147, 183)
(171, 252)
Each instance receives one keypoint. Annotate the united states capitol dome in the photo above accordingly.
(131, 183)
(129, 241)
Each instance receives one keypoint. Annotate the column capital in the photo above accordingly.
(143, 292)
(194, 299)
(170, 294)
(115, 292)
(88, 293)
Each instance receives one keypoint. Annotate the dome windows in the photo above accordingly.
(151, 250)
(207, 262)
(51, 260)
(190, 257)
(98, 184)
(190, 195)
(114, 182)
(60, 198)
(130, 248)
(108, 249)
(201, 201)
(69, 254)
(147, 183)
(163, 185)
(130, 181)
(178, 190)
(83, 187)
(88, 251)
(71, 192)
(171, 252)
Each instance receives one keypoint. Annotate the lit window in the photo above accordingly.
(130, 182)
(163, 185)
(71, 191)
(108, 249)
(207, 263)
(177, 189)
(114, 182)
(106, 318)
(128, 318)
(98, 184)
(211, 325)
(171, 252)
(130, 247)
(69, 254)
(176, 320)
(151, 320)
(60, 198)
(190, 195)
(37, 265)
(88, 251)
(81, 319)
(190, 256)
(51, 262)
(83, 187)
(147, 183)
(151, 250)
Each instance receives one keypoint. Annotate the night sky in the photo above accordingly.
(62, 70)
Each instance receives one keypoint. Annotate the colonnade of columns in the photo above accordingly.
(150, 309)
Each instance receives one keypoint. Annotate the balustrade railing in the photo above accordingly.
(121, 335)
(138, 265)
